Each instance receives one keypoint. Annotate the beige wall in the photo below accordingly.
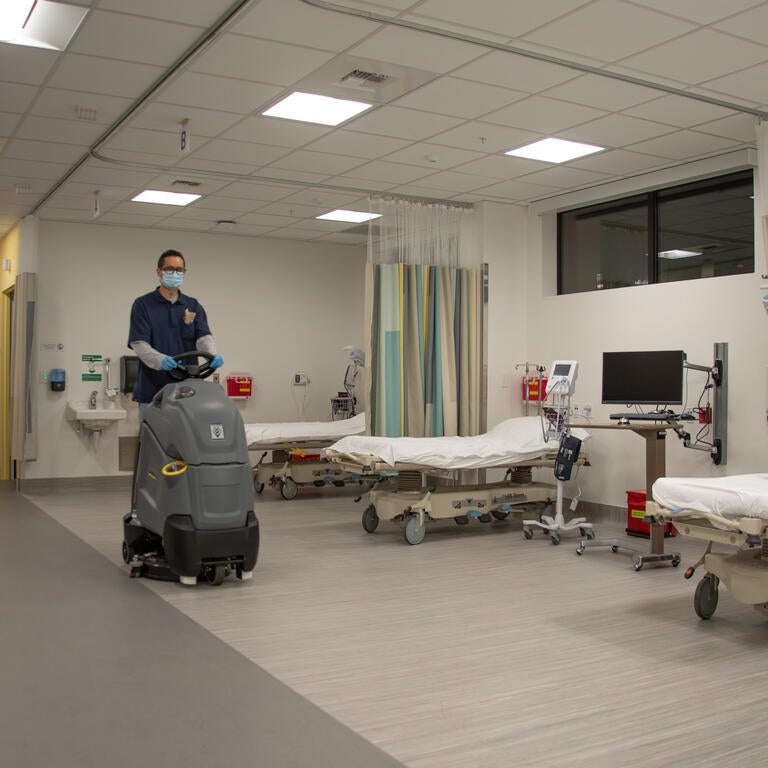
(274, 307)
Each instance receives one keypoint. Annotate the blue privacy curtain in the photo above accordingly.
(424, 315)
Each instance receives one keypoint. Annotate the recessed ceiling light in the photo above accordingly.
(164, 198)
(39, 23)
(554, 150)
(678, 253)
(311, 108)
(354, 216)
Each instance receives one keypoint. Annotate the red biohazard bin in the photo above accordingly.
(635, 515)
(239, 385)
(534, 394)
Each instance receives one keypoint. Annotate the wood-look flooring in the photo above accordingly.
(478, 648)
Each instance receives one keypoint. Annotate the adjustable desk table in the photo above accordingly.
(654, 433)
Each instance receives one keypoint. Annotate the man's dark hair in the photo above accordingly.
(169, 252)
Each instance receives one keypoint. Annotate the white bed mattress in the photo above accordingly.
(732, 497)
(303, 431)
(513, 441)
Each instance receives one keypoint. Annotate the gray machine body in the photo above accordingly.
(193, 421)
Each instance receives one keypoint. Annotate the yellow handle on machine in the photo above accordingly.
(174, 468)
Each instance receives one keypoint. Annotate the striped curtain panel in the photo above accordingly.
(23, 365)
(426, 349)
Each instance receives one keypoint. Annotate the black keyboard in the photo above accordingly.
(652, 416)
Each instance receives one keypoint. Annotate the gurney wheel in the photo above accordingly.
(555, 538)
(258, 487)
(370, 519)
(288, 488)
(484, 518)
(500, 514)
(414, 533)
(528, 532)
(705, 598)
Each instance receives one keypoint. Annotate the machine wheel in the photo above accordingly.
(370, 519)
(587, 533)
(258, 487)
(128, 553)
(414, 533)
(614, 548)
(461, 520)
(675, 561)
(214, 574)
(485, 518)
(638, 566)
(555, 538)
(527, 532)
(705, 598)
(500, 514)
(288, 488)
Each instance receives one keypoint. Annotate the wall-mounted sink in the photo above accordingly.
(93, 419)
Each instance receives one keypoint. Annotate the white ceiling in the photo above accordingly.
(105, 115)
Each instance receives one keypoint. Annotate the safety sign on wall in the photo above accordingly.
(91, 367)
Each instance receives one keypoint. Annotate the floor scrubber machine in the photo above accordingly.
(191, 515)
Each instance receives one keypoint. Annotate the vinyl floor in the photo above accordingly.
(474, 649)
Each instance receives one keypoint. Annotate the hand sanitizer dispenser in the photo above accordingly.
(58, 379)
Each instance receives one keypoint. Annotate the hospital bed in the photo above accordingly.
(406, 473)
(724, 510)
(295, 453)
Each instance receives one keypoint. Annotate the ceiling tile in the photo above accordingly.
(504, 18)
(565, 177)
(739, 128)
(678, 111)
(683, 144)
(57, 102)
(543, 115)
(416, 49)
(453, 182)
(196, 14)
(31, 169)
(619, 162)
(500, 166)
(107, 76)
(273, 130)
(8, 122)
(747, 84)
(515, 72)
(699, 56)
(263, 61)
(602, 93)
(433, 156)
(79, 132)
(517, 190)
(315, 162)
(480, 136)
(700, 11)
(632, 29)
(24, 65)
(460, 98)
(121, 36)
(402, 123)
(194, 89)
(386, 172)
(752, 24)
(169, 117)
(15, 97)
(617, 131)
(244, 152)
(343, 142)
(302, 24)
(43, 150)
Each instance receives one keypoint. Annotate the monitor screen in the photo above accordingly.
(643, 378)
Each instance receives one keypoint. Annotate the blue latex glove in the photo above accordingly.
(169, 363)
(217, 361)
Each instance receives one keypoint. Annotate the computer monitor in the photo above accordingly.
(643, 378)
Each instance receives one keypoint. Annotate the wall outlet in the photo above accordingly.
(300, 378)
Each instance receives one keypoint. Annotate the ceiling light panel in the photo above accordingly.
(313, 108)
(554, 150)
(164, 198)
(351, 216)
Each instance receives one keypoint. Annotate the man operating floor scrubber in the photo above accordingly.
(191, 512)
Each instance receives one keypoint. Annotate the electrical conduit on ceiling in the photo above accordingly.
(418, 27)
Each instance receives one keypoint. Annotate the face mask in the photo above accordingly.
(172, 281)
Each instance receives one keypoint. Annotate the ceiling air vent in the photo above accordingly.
(185, 183)
(359, 78)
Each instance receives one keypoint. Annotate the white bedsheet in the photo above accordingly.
(732, 497)
(512, 441)
(302, 431)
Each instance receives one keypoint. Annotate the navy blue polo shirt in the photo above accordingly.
(161, 324)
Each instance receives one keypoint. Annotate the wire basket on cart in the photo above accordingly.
(342, 407)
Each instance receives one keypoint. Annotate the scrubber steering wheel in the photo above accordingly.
(192, 370)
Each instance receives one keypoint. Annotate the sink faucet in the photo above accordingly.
(92, 400)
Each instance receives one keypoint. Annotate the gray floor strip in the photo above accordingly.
(98, 671)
